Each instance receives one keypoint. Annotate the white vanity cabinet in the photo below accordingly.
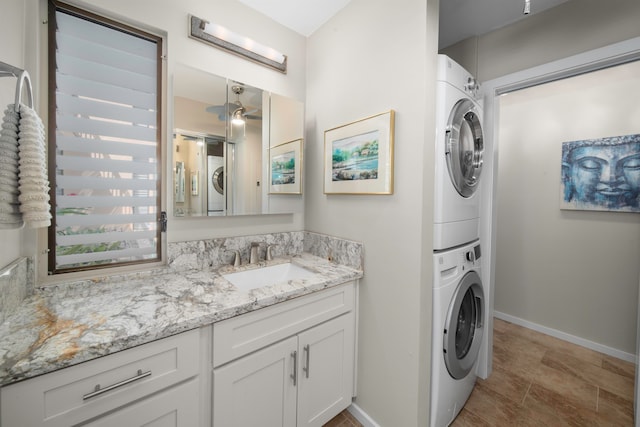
(155, 384)
(291, 364)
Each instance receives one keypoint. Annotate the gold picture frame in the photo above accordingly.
(285, 168)
(358, 157)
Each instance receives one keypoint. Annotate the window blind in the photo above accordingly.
(107, 164)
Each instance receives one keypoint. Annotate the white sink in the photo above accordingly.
(265, 276)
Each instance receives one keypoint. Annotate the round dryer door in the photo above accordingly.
(464, 147)
(463, 328)
(217, 179)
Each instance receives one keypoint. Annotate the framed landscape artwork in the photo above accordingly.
(285, 168)
(601, 174)
(358, 157)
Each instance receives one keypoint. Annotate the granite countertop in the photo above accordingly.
(64, 325)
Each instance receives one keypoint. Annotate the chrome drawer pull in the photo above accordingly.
(98, 390)
(305, 368)
(294, 376)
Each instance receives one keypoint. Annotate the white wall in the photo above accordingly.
(12, 53)
(573, 271)
(27, 48)
(172, 16)
(377, 55)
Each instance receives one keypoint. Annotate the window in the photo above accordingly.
(104, 141)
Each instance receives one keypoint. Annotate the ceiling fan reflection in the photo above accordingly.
(235, 110)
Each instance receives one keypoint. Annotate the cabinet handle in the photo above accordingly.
(98, 390)
(294, 376)
(305, 368)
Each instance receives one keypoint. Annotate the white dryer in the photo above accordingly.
(458, 307)
(459, 151)
(215, 185)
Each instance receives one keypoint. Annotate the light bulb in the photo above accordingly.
(237, 118)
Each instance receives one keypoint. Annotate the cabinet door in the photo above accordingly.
(258, 389)
(325, 370)
(176, 407)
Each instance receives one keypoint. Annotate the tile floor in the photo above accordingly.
(538, 380)
(343, 419)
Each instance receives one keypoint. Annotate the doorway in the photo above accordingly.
(573, 271)
(530, 169)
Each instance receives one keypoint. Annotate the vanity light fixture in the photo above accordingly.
(527, 7)
(223, 38)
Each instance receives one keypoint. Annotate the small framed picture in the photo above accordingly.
(358, 157)
(285, 168)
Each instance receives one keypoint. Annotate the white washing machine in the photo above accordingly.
(215, 185)
(458, 307)
(459, 150)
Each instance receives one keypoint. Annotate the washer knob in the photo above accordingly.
(471, 256)
(472, 86)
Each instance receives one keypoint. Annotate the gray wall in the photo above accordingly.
(573, 27)
(569, 271)
(572, 271)
(360, 63)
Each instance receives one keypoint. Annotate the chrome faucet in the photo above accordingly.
(237, 260)
(269, 255)
(253, 254)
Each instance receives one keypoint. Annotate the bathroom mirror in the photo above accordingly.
(222, 133)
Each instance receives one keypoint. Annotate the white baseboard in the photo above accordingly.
(567, 337)
(362, 416)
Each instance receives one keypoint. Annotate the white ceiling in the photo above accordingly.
(302, 16)
(459, 19)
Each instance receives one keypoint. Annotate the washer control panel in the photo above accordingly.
(463, 258)
(453, 73)
(474, 254)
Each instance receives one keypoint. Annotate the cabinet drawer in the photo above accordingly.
(175, 407)
(72, 395)
(249, 332)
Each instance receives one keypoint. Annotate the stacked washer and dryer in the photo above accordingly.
(458, 294)
(215, 185)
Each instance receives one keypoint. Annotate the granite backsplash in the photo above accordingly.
(17, 280)
(16, 283)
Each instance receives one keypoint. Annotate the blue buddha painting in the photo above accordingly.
(601, 174)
